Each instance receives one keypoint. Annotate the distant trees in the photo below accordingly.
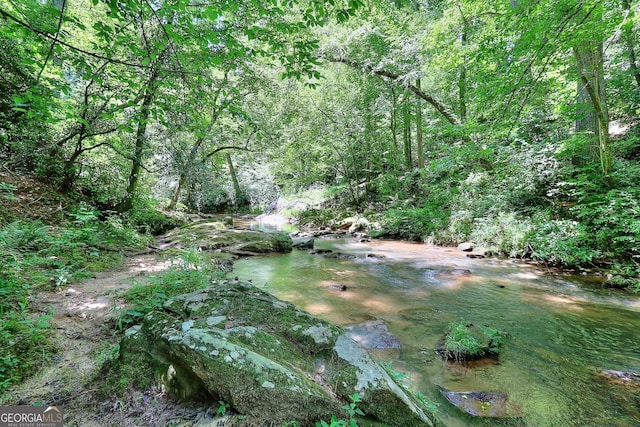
(97, 98)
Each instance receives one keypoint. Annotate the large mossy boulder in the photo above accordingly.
(215, 236)
(270, 361)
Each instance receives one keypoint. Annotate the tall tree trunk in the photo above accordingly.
(420, 148)
(586, 121)
(69, 172)
(184, 172)
(591, 72)
(406, 135)
(462, 76)
(630, 42)
(239, 199)
(394, 117)
(141, 140)
(176, 193)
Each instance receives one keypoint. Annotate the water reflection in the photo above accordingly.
(562, 331)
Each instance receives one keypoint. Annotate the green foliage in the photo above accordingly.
(24, 341)
(417, 223)
(504, 233)
(121, 373)
(147, 219)
(561, 242)
(316, 218)
(222, 408)
(33, 254)
(464, 341)
(351, 409)
(408, 384)
(614, 220)
(190, 272)
(7, 190)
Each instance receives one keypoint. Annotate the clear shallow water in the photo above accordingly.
(562, 330)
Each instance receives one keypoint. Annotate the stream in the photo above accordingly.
(563, 330)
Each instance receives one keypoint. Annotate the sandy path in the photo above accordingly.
(81, 329)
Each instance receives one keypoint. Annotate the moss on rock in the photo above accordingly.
(266, 358)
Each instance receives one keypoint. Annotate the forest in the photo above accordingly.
(510, 124)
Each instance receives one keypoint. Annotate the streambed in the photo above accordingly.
(562, 330)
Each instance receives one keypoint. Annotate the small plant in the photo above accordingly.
(351, 408)
(7, 190)
(222, 409)
(407, 383)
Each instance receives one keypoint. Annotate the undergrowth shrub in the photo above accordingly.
(32, 255)
(503, 233)
(613, 219)
(418, 223)
(315, 218)
(561, 242)
(148, 220)
(190, 272)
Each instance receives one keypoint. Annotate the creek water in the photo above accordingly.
(562, 330)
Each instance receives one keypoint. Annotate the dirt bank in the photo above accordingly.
(83, 330)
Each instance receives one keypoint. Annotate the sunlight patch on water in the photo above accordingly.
(528, 275)
(564, 300)
(318, 308)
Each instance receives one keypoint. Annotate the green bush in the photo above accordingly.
(148, 220)
(503, 233)
(613, 219)
(315, 218)
(561, 242)
(418, 223)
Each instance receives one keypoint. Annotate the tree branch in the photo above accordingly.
(226, 147)
(441, 108)
(55, 40)
(9, 16)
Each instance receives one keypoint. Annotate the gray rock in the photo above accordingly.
(303, 242)
(373, 335)
(466, 246)
(214, 236)
(269, 360)
(622, 377)
(482, 404)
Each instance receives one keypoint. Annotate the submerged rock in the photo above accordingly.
(340, 255)
(482, 404)
(622, 377)
(373, 334)
(270, 361)
(303, 242)
(457, 272)
(320, 251)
